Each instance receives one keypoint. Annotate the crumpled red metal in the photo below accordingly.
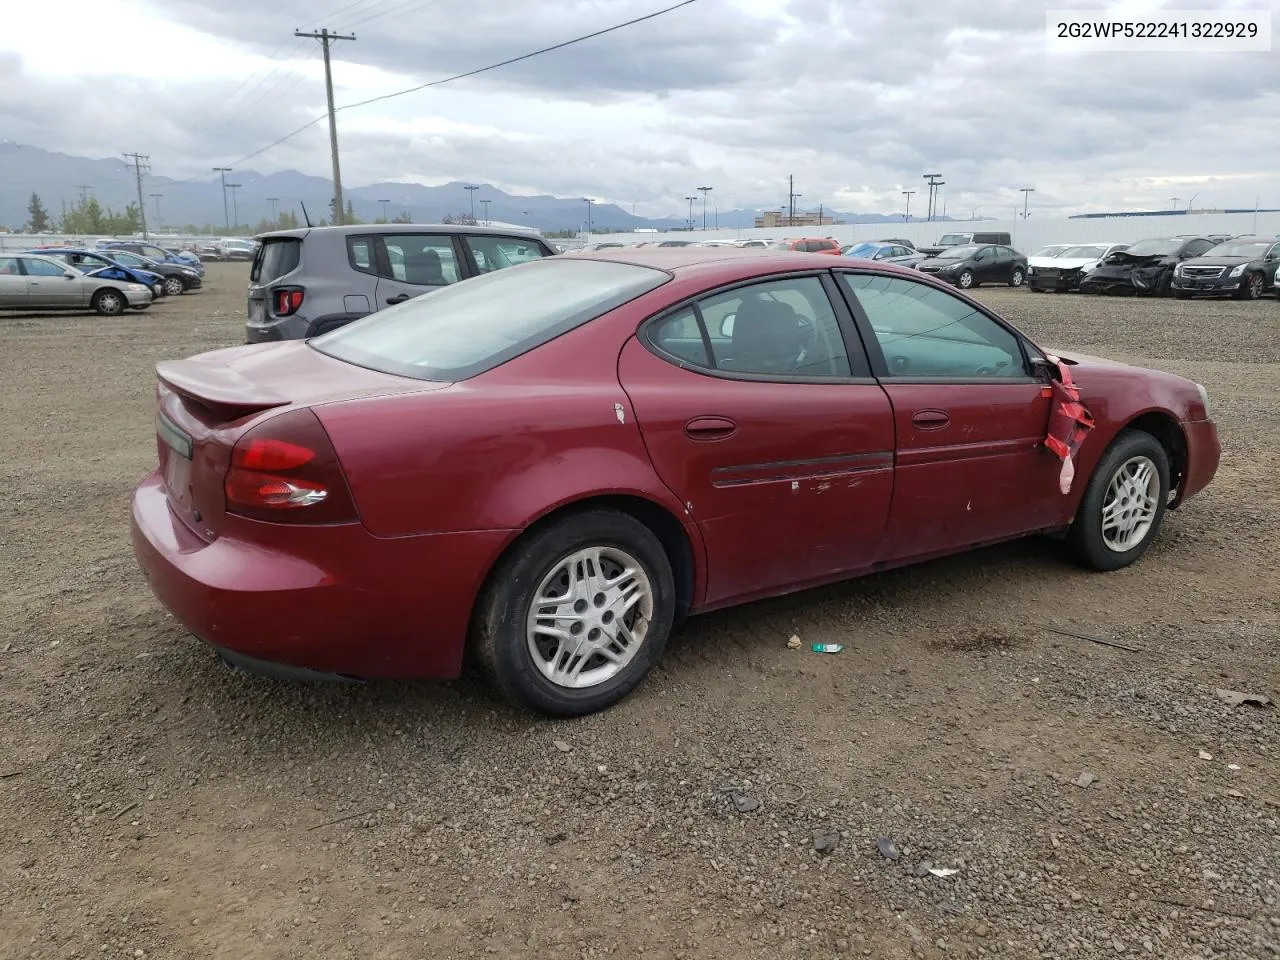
(1069, 423)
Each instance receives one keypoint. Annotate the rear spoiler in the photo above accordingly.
(218, 387)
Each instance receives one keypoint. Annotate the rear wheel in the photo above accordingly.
(108, 303)
(1124, 504)
(174, 286)
(576, 614)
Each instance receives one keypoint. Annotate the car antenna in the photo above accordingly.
(304, 213)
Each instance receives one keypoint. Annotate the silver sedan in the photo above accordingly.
(30, 282)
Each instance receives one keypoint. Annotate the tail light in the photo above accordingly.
(285, 470)
(286, 301)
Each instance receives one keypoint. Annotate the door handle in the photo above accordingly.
(401, 298)
(930, 419)
(710, 428)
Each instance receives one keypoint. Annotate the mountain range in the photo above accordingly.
(59, 178)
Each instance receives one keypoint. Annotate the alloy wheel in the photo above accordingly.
(1130, 505)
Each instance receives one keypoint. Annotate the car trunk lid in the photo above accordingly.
(207, 402)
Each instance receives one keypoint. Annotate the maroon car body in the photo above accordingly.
(756, 485)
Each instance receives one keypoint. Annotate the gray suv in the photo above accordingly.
(309, 281)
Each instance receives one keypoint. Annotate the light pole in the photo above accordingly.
(485, 204)
(275, 218)
(235, 212)
(589, 202)
(226, 213)
(974, 214)
(908, 194)
(704, 191)
(690, 220)
(384, 209)
(1026, 197)
(1174, 201)
(471, 191)
(156, 197)
(716, 207)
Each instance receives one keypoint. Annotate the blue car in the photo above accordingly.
(153, 252)
(102, 265)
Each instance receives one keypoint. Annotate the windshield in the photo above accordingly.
(1153, 248)
(462, 330)
(1053, 250)
(866, 250)
(1254, 250)
(953, 239)
(1082, 253)
(959, 253)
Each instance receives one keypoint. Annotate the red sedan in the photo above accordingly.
(552, 464)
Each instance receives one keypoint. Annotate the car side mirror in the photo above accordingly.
(68, 276)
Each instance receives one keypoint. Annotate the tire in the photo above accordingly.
(966, 280)
(1088, 539)
(108, 303)
(1015, 280)
(518, 659)
(174, 286)
(1253, 287)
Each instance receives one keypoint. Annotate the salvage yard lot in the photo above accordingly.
(159, 805)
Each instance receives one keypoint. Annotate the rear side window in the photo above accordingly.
(275, 258)
(494, 253)
(426, 260)
(360, 254)
(463, 330)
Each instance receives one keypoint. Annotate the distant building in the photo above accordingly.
(780, 218)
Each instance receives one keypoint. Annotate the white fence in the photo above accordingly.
(1027, 234)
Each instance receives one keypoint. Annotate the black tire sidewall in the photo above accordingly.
(1086, 531)
(500, 636)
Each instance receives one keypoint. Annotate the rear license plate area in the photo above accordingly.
(177, 461)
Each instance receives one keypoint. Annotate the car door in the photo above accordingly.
(52, 285)
(970, 418)
(13, 284)
(759, 411)
(410, 264)
(1002, 264)
(983, 264)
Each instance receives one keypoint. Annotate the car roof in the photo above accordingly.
(733, 262)
(365, 229)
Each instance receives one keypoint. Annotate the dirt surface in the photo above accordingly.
(156, 804)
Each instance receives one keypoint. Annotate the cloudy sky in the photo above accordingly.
(856, 98)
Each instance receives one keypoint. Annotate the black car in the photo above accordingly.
(974, 264)
(177, 278)
(1244, 267)
(1145, 267)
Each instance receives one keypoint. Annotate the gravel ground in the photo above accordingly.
(159, 805)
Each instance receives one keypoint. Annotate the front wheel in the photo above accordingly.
(108, 303)
(1252, 288)
(576, 614)
(1016, 279)
(965, 280)
(1124, 504)
(174, 286)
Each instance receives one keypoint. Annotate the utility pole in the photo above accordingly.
(233, 187)
(792, 197)
(384, 209)
(156, 197)
(275, 219)
(471, 190)
(589, 203)
(1026, 196)
(326, 37)
(1174, 201)
(935, 181)
(689, 221)
(704, 191)
(908, 194)
(139, 161)
(485, 203)
(226, 211)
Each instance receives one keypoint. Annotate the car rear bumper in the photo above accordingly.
(316, 600)
(1203, 453)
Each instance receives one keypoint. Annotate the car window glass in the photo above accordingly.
(983, 254)
(494, 253)
(1197, 247)
(360, 253)
(43, 268)
(782, 328)
(9, 267)
(681, 336)
(421, 259)
(927, 332)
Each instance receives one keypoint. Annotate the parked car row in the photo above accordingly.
(31, 281)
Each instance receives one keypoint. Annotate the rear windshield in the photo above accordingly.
(274, 259)
(464, 329)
